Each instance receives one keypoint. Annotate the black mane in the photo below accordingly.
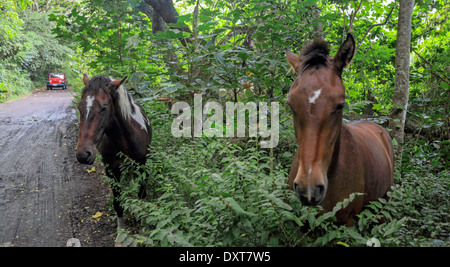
(315, 53)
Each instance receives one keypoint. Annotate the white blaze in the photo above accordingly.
(89, 102)
(312, 99)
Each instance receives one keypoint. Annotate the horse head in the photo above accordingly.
(317, 98)
(96, 113)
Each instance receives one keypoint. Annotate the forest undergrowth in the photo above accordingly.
(222, 192)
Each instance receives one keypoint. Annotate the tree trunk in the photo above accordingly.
(158, 24)
(167, 12)
(401, 90)
(164, 11)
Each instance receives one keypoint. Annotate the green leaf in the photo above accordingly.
(280, 203)
(357, 236)
(290, 216)
(133, 41)
(237, 208)
(121, 237)
(377, 204)
(394, 142)
(129, 242)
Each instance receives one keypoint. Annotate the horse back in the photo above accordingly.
(374, 147)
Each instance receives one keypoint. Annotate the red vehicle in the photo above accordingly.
(56, 80)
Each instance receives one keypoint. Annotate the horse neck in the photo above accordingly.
(119, 124)
(335, 158)
(127, 138)
(346, 152)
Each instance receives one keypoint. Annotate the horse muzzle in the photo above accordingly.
(86, 156)
(310, 196)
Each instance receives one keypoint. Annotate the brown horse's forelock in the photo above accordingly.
(315, 54)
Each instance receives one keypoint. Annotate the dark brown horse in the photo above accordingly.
(334, 159)
(112, 122)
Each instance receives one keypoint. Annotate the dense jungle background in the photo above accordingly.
(229, 191)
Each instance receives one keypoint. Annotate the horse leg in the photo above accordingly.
(114, 172)
(118, 208)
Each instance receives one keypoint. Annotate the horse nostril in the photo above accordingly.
(320, 189)
(319, 193)
(85, 156)
(297, 189)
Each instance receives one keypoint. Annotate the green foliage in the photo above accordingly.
(110, 35)
(46, 53)
(423, 199)
(235, 50)
(11, 47)
(28, 50)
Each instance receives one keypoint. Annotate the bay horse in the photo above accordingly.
(112, 122)
(333, 159)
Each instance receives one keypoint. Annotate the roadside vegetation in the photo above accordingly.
(29, 50)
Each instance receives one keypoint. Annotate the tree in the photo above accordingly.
(402, 62)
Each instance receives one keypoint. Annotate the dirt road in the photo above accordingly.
(46, 196)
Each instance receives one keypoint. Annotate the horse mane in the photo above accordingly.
(130, 110)
(124, 99)
(126, 103)
(315, 53)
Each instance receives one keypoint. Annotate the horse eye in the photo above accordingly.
(340, 106)
(104, 108)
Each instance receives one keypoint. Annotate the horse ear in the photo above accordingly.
(345, 54)
(117, 83)
(85, 79)
(293, 59)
